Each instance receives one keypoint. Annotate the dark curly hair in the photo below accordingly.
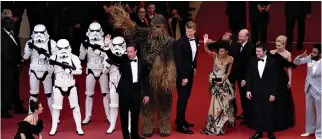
(34, 105)
(318, 46)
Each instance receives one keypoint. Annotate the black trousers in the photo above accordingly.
(243, 98)
(290, 23)
(130, 102)
(232, 81)
(259, 31)
(183, 97)
(10, 88)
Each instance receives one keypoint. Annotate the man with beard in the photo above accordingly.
(155, 46)
(312, 90)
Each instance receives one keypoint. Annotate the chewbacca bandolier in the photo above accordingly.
(156, 47)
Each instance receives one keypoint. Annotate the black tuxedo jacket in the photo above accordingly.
(183, 57)
(241, 59)
(125, 85)
(10, 51)
(265, 86)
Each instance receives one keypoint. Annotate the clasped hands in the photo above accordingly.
(249, 96)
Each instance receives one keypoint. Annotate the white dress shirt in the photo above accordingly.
(193, 46)
(11, 36)
(134, 68)
(242, 46)
(315, 66)
(261, 66)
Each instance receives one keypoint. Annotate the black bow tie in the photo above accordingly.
(133, 60)
(259, 59)
(191, 39)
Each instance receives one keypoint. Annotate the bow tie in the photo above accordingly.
(191, 39)
(259, 59)
(133, 60)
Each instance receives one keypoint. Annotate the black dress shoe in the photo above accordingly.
(241, 116)
(184, 130)
(6, 115)
(189, 124)
(257, 136)
(271, 137)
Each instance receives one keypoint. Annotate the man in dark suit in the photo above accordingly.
(185, 54)
(259, 18)
(134, 79)
(296, 11)
(261, 90)
(11, 59)
(242, 52)
(17, 8)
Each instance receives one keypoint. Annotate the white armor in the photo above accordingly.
(39, 64)
(94, 70)
(118, 47)
(64, 85)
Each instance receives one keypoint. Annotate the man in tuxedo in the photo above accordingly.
(242, 52)
(296, 11)
(134, 75)
(185, 54)
(312, 90)
(261, 91)
(11, 59)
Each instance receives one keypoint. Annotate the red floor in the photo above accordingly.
(197, 107)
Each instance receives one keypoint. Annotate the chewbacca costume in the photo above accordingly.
(156, 47)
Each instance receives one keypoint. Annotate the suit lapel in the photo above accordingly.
(8, 36)
(256, 65)
(139, 68)
(267, 65)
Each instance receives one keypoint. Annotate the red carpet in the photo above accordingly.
(198, 103)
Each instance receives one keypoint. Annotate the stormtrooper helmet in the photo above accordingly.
(118, 46)
(64, 49)
(40, 34)
(95, 32)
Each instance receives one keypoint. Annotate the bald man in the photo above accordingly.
(242, 52)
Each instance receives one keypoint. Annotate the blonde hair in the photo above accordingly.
(282, 39)
(191, 25)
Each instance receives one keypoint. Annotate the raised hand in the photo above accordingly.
(304, 54)
(107, 39)
(205, 38)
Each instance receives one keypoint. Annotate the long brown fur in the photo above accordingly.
(122, 19)
(162, 75)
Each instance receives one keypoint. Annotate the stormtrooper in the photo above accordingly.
(94, 70)
(65, 65)
(39, 49)
(118, 48)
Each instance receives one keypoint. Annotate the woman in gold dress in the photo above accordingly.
(222, 93)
